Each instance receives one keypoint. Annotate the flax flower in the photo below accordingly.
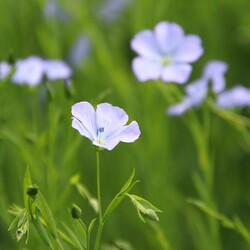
(105, 126)
(239, 96)
(165, 53)
(198, 90)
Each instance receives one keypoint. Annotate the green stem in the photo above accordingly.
(100, 223)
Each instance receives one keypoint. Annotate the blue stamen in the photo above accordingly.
(100, 130)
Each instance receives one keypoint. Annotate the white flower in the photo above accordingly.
(165, 53)
(106, 126)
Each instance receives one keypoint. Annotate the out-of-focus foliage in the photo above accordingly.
(35, 123)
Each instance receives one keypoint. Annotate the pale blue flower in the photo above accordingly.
(80, 50)
(105, 126)
(111, 9)
(239, 96)
(4, 70)
(56, 69)
(29, 70)
(197, 91)
(165, 53)
(32, 70)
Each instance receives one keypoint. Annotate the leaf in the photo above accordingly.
(26, 183)
(40, 229)
(15, 222)
(73, 240)
(120, 196)
(90, 228)
(242, 229)
(47, 215)
(80, 231)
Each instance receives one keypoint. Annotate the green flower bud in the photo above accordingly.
(150, 215)
(32, 191)
(76, 212)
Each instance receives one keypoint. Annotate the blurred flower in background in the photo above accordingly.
(52, 9)
(165, 53)
(239, 96)
(79, 50)
(197, 91)
(112, 9)
(106, 126)
(4, 70)
(32, 70)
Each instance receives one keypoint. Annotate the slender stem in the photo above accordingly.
(100, 222)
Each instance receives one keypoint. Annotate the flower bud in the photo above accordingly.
(150, 215)
(76, 212)
(32, 191)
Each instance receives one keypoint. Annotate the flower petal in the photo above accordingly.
(127, 134)
(29, 70)
(84, 119)
(189, 50)
(215, 71)
(146, 70)
(57, 69)
(4, 69)
(238, 96)
(145, 45)
(179, 108)
(169, 36)
(178, 73)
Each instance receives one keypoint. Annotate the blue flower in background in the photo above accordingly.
(165, 53)
(106, 126)
(29, 70)
(198, 90)
(79, 51)
(239, 96)
(32, 70)
(4, 70)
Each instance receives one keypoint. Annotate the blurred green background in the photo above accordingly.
(35, 124)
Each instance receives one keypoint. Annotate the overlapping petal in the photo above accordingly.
(56, 69)
(84, 119)
(144, 43)
(238, 96)
(189, 50)
(178, 73)
(145, 69)
(169, 36)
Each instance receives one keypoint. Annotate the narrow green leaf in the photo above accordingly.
(120, 196)
(72, 239)
(80, 231)
(40, 229)
(128, 183)
(26, 183)
(242, 229)
(15, 222)
(90, 228)
(47, 215)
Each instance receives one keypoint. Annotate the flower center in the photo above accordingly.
(166, 60)
(100, 130)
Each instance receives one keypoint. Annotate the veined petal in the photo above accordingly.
(128, 133)
(189, 50)
(145, 45)
(84, 119)
(178, 73)
(145, 69)
(169, 36)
